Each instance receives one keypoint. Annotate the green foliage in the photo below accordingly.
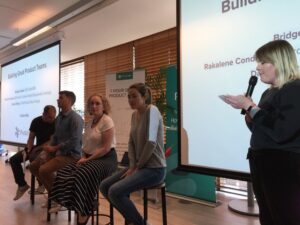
(157, 83)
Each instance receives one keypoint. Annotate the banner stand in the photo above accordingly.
(188, 185)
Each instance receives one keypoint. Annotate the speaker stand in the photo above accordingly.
(247, 207)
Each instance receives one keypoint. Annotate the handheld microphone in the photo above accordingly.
(252, 83)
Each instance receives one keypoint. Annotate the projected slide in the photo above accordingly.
(28, 84)
(217, 43)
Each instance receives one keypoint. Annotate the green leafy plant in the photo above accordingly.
(157, 83)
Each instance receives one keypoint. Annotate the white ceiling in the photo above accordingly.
(20, 16)
(112, 23)
(118, 23)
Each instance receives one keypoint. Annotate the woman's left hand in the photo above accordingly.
(129, 172)
(238, 101)
(82, 160)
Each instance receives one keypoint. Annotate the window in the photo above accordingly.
(72, 79)
(232, 186)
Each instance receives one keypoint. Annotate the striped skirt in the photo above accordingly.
(75, 187)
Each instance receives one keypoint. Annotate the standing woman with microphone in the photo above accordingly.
(274, 153)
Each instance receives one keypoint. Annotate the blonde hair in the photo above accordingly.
(105, 103)
(281, 54)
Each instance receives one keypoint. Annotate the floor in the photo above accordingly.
(180, 212)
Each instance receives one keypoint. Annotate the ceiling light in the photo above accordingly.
(29, 37)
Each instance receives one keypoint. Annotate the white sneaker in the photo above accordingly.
(21, 191)
(41, 189)
(55, 209)
(45, 204)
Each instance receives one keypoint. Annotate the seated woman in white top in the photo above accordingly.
(77, 184)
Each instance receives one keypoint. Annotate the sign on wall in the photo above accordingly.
(116, 91)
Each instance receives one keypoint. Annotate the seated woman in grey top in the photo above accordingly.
(146, 155)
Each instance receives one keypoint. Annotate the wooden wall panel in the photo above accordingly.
(156, 51)
(99, 64)
(151, 53)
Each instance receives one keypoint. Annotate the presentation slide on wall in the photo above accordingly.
(217, 42)
(28, 84)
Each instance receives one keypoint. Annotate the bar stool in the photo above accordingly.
(49, 214)
(162, 188)
(94, 210)
(97, 214)
(33, 190)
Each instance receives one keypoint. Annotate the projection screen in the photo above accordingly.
(217, 40)
(28, 84)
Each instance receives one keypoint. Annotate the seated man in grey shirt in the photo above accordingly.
(65, 146)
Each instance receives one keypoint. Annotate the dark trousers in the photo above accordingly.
(276, 184)
(17, 169)
(16, 164)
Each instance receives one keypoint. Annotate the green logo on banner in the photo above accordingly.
(124, 76)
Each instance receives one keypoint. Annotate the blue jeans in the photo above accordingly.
(117, 190)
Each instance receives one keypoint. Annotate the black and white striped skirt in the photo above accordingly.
(75, 187)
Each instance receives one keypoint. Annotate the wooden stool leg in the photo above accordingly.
(111, 213)
(95, 207)
(48, 208)
(32, 189)
(126, 222)
(164, 205)
(69, 215)
(97, 213)
(145, 206)
(97, 210)
(93, 214)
